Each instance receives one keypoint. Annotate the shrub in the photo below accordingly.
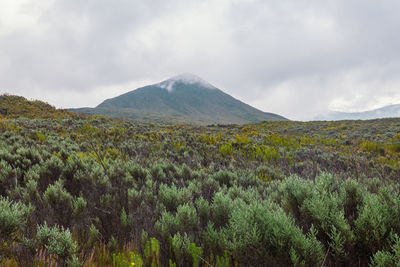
(258, 233)
(293, 194)
(196, 253)
(324, 209)
(180, 248)
(57, 241)
(388, 258)
(221, 209)
(186, 217)
(214, 241)
(78, 206)
(13, 218)
(60, 201)
(172, 196)
(167, 225)
(203, 208)
(225, 177)
(371, 226)
(7, 176)
(152, 252)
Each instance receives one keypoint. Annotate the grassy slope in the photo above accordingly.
(12, 106)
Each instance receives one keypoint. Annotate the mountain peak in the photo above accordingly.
(185, 98)
(185, 78)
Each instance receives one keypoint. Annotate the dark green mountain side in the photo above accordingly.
(182, 99)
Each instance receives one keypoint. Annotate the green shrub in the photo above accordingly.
(388, 258)
(266, 173)
(124, 219)
(40, 137)
(260, 230)
(225, 177)
(167, 225)
(57, 241)
(372, 225)
(152, 252)
(7, 176)
(203, 208)
(226, 150)
(196, 253)
(221, 208)
(78, 206)
(58, 199)
(180, 246)
(354, 197)
(222, 261)
(13, 218)
(325, 210)
(172, 196)
(186, 217)
(214, 241)
(293, 194)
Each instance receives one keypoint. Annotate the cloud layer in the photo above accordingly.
(297, 58)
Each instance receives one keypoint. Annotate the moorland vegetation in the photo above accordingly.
(94, 191)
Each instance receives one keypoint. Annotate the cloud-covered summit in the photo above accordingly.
(186, 78)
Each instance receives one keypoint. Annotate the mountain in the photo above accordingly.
(390, 111)
(181, 99)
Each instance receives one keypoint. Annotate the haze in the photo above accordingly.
(295, 58)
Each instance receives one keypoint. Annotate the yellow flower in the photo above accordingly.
(132, 263)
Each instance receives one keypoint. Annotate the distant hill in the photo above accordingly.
(391, 111)
(12, 106)
(182, 99)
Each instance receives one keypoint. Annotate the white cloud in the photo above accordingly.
(21, 14)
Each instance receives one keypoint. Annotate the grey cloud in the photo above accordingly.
(295, 57)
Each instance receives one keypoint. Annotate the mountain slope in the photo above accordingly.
(390, 111)
(185, 98)
(12, 106)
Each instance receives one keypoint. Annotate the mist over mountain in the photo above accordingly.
(185, 98)
(391, 111)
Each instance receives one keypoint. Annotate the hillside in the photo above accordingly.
(12, 106)
(182, 99)
(391, 111)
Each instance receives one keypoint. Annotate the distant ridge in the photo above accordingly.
(12, 106)
(391, 111)
(185, 98)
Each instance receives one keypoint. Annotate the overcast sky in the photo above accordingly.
(297, 58)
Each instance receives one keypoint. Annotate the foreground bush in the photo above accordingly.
(94, 191)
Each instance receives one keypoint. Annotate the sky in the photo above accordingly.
(297, 58)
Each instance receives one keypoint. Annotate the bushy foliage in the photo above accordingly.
(57, 241)
(101, 192)
(13, 219)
